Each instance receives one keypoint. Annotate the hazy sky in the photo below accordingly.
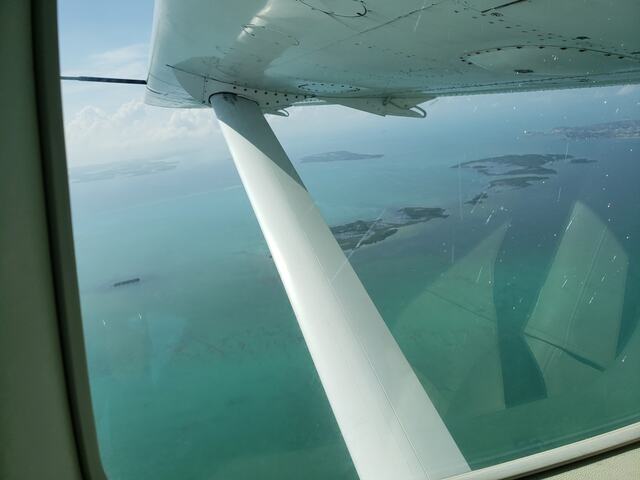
(107, 122)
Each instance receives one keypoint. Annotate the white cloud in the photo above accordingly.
(135, 130)
(628, 90)
(130, 61)
(105, 122)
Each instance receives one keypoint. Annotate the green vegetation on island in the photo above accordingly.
(353, 235)
(516, 171)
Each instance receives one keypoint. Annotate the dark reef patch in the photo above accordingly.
(516, 182)
(421, 214)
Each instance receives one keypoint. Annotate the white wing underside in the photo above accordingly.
(383, 56)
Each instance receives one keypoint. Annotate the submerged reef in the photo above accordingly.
(477, 199)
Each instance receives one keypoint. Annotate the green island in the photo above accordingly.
(506, 165)
(477, 199)
(516, 171)
(353, 235)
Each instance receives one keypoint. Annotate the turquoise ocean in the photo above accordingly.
(198, 368)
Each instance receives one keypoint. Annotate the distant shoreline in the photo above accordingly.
(339, 156)
(628, 129)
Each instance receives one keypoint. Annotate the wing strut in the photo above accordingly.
(390, 426)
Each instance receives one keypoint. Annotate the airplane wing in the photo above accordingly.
(386, 57)
(246, 58)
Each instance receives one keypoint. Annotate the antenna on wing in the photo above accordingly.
(105, 80)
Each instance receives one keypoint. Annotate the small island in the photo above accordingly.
(478, 199)
(516, 171)
(362, 232)
(507, 165)
(338, 156)
(353, 235)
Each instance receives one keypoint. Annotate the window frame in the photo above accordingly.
(46, 75)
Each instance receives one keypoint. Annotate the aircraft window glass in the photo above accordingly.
(498, 238)
(197, 365)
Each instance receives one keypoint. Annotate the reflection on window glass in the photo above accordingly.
(498, 238)
(500, 242)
